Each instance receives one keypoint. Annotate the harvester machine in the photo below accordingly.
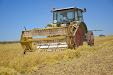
(68, 30)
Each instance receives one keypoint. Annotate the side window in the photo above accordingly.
(76, 16)
(54, 15)
(55, 18)
(80, 16)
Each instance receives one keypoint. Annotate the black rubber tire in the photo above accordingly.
(90, 38)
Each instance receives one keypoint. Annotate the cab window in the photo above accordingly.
(80, 16)
(70, 15)
(76, 16)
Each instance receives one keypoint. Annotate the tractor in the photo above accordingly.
(68, 30)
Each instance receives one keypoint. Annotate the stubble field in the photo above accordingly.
(84, 60)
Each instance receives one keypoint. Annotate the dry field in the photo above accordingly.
(85, 60)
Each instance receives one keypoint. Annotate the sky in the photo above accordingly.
(15, 14)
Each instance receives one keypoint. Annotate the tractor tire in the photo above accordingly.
(79, 38)
(90, 38)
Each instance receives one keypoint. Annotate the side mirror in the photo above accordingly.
(84, 9)
(51, 11)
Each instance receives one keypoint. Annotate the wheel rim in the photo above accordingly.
(92, 39)
(79, 38)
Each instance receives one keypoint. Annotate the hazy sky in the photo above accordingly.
(15, 14)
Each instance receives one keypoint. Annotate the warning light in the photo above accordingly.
(53, 8)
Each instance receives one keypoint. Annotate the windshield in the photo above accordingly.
(63, 16)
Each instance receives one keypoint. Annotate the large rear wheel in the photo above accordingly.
(79, 37)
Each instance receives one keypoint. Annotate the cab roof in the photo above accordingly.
(66, 9)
